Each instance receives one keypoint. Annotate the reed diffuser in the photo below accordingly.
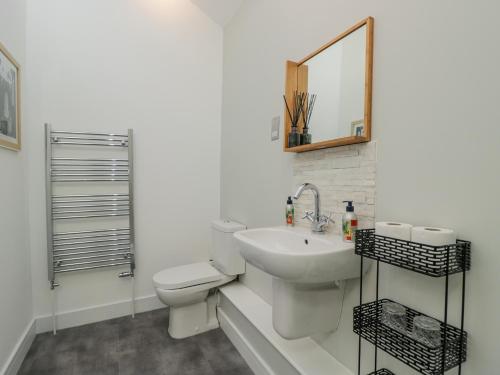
(295, 111)
(307, 109)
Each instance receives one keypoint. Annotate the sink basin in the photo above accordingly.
(295, 254)
(309, 273)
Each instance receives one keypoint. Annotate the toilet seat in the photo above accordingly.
(186, 276)
(188, 284)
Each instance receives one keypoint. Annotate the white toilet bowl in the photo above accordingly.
(185, 290)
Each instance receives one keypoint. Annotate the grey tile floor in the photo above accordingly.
(127, 346)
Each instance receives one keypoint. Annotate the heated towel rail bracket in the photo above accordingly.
(87, 248)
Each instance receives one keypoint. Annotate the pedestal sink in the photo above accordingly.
(309, 273)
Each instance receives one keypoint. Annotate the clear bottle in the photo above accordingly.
(290, 212)
(349, 223)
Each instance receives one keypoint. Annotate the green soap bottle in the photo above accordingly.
(290, 212)
(349, 223)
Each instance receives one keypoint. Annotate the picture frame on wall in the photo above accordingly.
(358, 128)
(10, 121)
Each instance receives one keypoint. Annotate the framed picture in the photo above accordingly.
(10, 122)
(358, 128)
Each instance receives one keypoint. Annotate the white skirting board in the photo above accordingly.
(98, 313)
(16, 359)
(247, 321)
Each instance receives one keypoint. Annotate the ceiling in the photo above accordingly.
(221, 11)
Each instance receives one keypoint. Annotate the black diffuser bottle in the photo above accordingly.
(294, 138)
(294, 111)
(305, 137)
(308, 106)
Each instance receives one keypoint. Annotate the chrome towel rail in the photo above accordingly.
(98, 246)
(91, 232)
(89, 171)
(63, 208)
(90, 197)
(89, 133)
(93, 216)
(92, 180)
(85, 162)
(87, 248)
(95, 267)
(94, 205)
(89, 139)
(100, 251)
(92, 265)
(121, 144)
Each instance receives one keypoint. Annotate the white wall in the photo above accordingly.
(434, 116)
(154, 66)
(15, 278)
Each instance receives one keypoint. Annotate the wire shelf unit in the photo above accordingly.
(383, 371)
(84, 247)
(425, 359)
(432, 261)
(424, 259)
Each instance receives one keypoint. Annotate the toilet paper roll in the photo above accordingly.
(433, 236)
(393, 229)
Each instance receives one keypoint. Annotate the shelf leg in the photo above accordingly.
(443, 359)
(376, 315)
(463, 312)
(360, 313)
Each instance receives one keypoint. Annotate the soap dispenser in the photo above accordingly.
(290, 212)
(349, 223)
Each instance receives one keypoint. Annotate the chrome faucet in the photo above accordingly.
(319, 223)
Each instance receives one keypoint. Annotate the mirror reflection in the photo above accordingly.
(337, 77)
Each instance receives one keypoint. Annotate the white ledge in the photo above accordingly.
(305, 355)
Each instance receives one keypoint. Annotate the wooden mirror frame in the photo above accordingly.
(293, 83)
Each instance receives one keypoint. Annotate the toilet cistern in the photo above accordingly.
(319, 223)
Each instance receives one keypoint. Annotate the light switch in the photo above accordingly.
(275, 128)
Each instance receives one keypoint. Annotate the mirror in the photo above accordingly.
(337, 77)
(337, 81)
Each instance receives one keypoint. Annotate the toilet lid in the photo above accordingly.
(185, 276)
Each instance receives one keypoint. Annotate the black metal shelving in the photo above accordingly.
(433, 261)
(383, 371)
(425, 359)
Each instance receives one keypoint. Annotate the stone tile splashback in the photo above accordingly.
(340, 173)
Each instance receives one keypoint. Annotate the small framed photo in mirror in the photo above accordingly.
(358, 128)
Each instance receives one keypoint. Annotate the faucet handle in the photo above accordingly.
(309, 216)
(325, 220)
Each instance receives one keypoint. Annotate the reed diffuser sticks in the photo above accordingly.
(294, 111)
(308, 109)
(302, 105)
(296, 108)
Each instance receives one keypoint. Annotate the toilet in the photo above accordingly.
(188, 289)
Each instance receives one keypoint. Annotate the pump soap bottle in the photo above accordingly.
(349, 223)
(290, 212)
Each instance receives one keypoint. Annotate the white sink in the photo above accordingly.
(309, 273)
(295, 254)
